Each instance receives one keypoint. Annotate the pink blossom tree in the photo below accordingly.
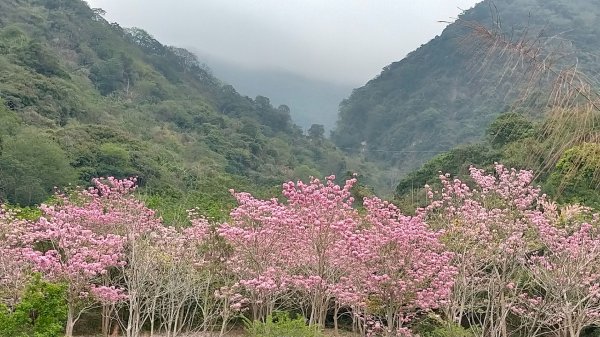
(176, 282)
(321, 221)
(68, 252)
(186, 279)
(81, 238)
(14, 268)
(407, 269)
(257, 236)
(294, 248)
(565, 271)
(489, 232)
(215, 292)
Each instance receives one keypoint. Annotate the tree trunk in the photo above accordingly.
(106, 311)
(391, 322)
(70, 320)
(335, 320)
(223, 326)
(115, 331)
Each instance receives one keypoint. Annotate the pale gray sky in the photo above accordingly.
(343, 41)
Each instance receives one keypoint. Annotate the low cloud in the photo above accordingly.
(343, 41)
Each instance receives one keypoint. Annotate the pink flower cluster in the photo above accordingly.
(80, 239)
(318, 251)
(496, 252)
(517, 254)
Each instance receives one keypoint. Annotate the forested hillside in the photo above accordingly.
(177, 229)
(311, 101)
(447, 92)
(81, 97)
(571, 174)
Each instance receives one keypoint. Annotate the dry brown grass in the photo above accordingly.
(546, 73)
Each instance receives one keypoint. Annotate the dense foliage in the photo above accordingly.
(41, 311)
(280, 324)
(81, 97)
(512, 138)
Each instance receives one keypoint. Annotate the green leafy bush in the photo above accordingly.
(575, 178)
(508, 128)
(31, 165)
(42, 312)
(280, 324)
(433, 326)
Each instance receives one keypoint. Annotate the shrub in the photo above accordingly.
(433, 326)
(42, 311)
(280, 324)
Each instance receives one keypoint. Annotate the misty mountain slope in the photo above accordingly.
(311, 101)
(81, 97)
(435, 99)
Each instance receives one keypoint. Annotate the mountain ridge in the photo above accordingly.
(437, 97)
(81, 97)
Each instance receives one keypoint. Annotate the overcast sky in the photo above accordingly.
(344, 41)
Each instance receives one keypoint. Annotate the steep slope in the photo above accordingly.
(437, 97)
(81, 97)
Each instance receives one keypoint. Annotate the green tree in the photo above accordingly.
(304, 172)
(114, 160)
(36, 56)
(109, 76)
(12, 38)
(9, 122)
(576, 178)
(31, 165)
(41, 312)
(509, 127)
(316, 132)
(456, 162)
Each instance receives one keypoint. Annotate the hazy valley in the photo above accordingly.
(152, 190)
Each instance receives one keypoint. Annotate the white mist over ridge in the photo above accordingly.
(337, 41)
